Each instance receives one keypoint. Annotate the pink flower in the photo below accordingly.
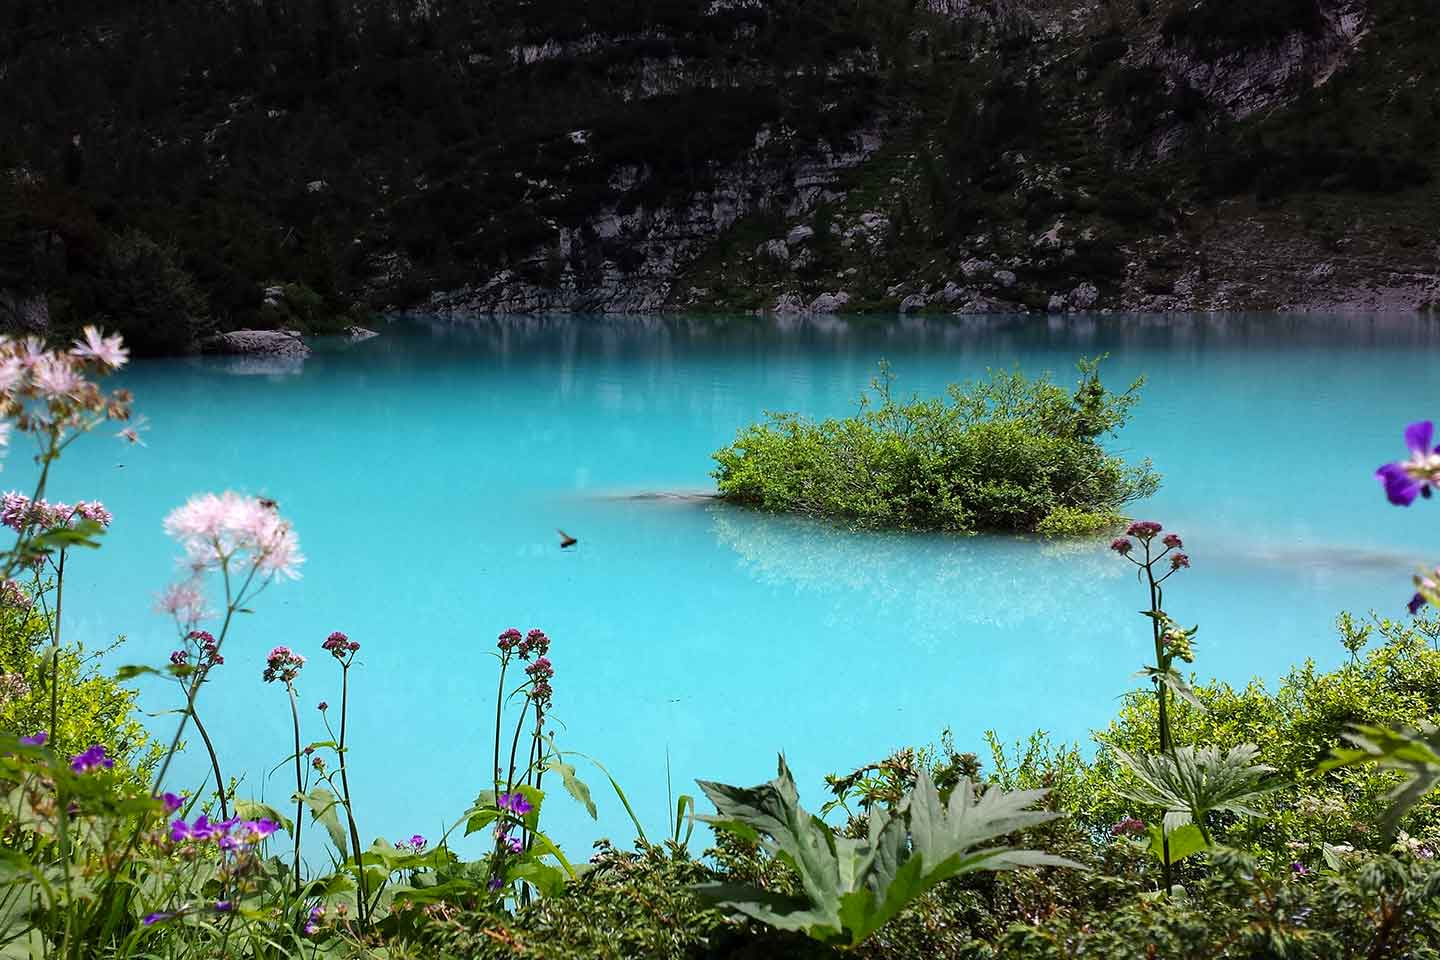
(184, 602)
(109, 352)
(56, 377)
(216, 529)
(93, 510)
(1143, 529)
(283, 664)
(1121, 546)
(1172, 541)
(1179, 560)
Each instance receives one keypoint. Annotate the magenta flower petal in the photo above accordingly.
(1418, 437)
(1401, 489)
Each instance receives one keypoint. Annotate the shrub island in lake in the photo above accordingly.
(1008, 453)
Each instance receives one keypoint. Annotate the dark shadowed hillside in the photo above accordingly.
(179, 168)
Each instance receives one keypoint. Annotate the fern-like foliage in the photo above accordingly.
(1415, 752)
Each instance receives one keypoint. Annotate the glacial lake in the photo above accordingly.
(427, 470)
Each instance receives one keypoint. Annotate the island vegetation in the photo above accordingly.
(1209, 821)
(1008, 453)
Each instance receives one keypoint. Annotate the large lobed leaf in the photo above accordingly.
(853, 887)
(1191, 782)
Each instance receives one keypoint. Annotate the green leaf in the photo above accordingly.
(1414, 752)
(132, 670)
(254, 810)
(852, 887)
(550, 881)
(1184, 841)
(323, 806)
(1196, 781)
(573, 784)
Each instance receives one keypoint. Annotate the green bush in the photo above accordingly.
(1007, 453)
(93, 707)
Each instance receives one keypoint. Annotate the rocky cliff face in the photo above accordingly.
(789, 155)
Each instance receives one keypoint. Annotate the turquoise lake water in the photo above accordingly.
(427, 470)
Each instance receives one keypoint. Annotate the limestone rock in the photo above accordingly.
(1005, 278)
(280, 343)
(916, 301)
(829, 302)
(799, 235)
(1056, 304)
(1084, 296)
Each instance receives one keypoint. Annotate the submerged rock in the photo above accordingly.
(274, 343)
(358, 333)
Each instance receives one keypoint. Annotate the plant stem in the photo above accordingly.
(55, 652)
(299, 783)
(345, 788)
(214, 764)
(499, 703)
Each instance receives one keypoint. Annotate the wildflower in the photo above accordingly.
(223, 906)
(495, 884)
(183, 601)
(215, 529)
(282, 663)
(153, 918)
(1172, 541)
(56, 378)
(1143, 530)
(14, 595)
(199, 830)
(514, 844)
(1406, 480)
(322, 706)
(1179, 560)
(508, 639)
(109, 351)
(36, 739)
(13, 687)
(535, 643)
(93, 510)
(319, 764)
(172, 801)
(1299, 869)
(418, 842)
(515, 803)
(179, 657)
(209, 648)
(1121, 546)
(1416, 602)
(92, 758)
(339, 645)
(1129, 827)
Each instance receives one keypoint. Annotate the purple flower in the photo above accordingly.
(1172, 541)
(91, 759)
(153, 918)
(172, 802)
(494, 884)
(179, 657)
(1121, 546)
(1129, 827)
(418, 842)
(1143, 530)
(508, 639)
(36, 739)
(514, 844)
(515, 803)
(201, 829)
(1416, 602)
(1405, 481)
(1179, 560)
(1299, 869)
(223, 906)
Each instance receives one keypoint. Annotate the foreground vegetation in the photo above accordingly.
(1210, 821)
(1007, 453)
